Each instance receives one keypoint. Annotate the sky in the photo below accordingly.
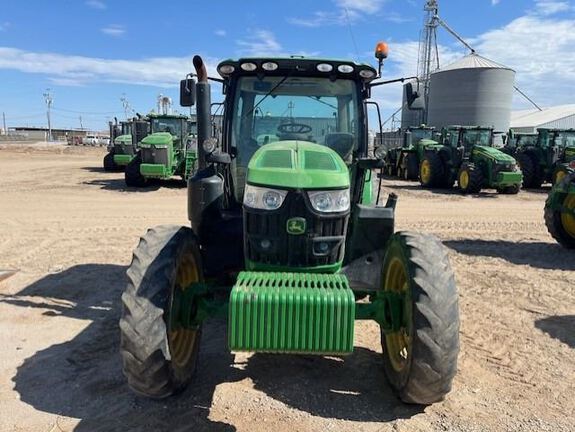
(91, 54)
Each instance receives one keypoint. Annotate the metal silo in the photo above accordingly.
(473, 91)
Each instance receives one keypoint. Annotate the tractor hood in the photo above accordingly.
(123, 139)
(298, 165)
(495, 154)
(158, 140)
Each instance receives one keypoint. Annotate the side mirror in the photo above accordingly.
(380, 152)
(415, 100)
(187, 92)
(368, 163)
(219, 158)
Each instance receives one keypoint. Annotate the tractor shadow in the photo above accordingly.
(542, 255)
(349, 388)
(119, 185)
(560, 327)
(82, 378)
(439, 191)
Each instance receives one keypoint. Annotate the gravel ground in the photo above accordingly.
(69, 228)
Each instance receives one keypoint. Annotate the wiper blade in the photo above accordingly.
(274, 88)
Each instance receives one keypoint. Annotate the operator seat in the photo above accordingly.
(341, 143)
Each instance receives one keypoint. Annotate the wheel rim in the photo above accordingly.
(568, 220)
(560, 175)
(182, 341)
(425, 171)
(463, 179)
(398, 343)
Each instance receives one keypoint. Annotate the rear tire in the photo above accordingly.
(411, 167)
(422, 371)
(432, 172)
(560, 225)
(158, 360)
(532, 175)
(132, 175)
(559, 174)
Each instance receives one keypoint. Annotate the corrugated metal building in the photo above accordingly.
(557, 117)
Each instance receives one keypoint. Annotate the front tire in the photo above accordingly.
(159, 359)
(411, 167)
(420, 359)
(132, 175)
(469, 179)
(109, 164)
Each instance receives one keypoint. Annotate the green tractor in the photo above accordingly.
(560, 210)
(466, 155)
(543, 157)
(284, 240)
(165, 152)
(124, 140)
(403, 161)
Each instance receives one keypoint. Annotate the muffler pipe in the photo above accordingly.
(203, 109)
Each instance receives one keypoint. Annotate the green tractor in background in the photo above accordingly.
(403, 161)
(543, 157)
(165, 152)
(466, 155)
(124, 140)
(560, 210)
(284, 239)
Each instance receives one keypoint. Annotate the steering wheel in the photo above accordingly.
(294, 128)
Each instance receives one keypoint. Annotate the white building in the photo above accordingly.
(557, 117)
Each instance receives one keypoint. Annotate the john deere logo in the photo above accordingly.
(296, 226)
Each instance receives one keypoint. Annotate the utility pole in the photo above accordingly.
(81, 126)
(48, 99)
(125, 104)
(4, 122)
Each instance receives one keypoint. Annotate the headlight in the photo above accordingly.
(329, 201)
(263, 198)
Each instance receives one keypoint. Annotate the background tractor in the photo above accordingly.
(560, 211)
(466, 155)
(543, 157)
(283, 239)
(124, 138)
(165, 152)
(403, 159)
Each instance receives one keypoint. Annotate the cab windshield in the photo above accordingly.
(171, 125)
(477, 137)
(419, 134)
(294, 108)
(126, 128)
(527, 140)
(565, 139)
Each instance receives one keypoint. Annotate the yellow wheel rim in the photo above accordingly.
(463, 179)
(425, 171)
(568, 220)
(398, 343)
(182, 341)
(560, 175)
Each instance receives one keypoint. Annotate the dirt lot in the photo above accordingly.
(69, 228)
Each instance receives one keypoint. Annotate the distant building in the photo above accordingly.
(557, 117)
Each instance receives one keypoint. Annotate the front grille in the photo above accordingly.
(294, 250)
(121, 149)
(151, 155)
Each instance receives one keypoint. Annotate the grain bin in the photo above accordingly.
(472, 91)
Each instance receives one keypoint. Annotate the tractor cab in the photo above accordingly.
(284, 239)
(465, 138)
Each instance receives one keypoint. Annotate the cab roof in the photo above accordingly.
(297, 66)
